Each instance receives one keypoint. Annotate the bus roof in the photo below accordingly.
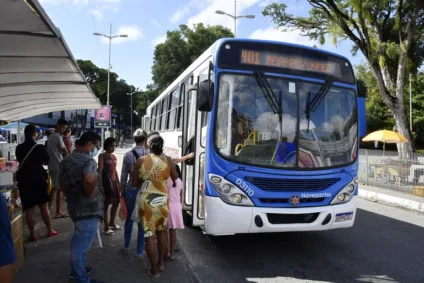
(212, 51)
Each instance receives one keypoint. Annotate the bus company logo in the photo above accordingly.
(315, 195)
(295, 200)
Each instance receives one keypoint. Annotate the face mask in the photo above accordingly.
(94, 153)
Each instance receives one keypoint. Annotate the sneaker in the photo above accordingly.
(138, 256)
(125, 251)
(88, 269)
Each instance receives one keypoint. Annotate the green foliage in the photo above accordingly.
(97, 79)
(389, 33)
(181, 48)
(378, 114)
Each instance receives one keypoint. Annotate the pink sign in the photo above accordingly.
(102, 117)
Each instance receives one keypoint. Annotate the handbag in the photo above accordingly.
(123, 210)
(49, 182)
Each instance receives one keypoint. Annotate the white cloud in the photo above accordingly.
(134, 32)
(97, 14)
(208, 16)
(94, 2)
(293, 36)
(265, 3)
(179, 14)
(271, 33)
(156, 24)
(52, 2)
(187, 8)
(159, 40)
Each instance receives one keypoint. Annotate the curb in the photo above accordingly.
(391, 200)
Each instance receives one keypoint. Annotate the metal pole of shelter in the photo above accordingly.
(235, 19)
(410, 103)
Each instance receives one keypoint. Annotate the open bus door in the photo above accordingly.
(188, 133)
(194, 134)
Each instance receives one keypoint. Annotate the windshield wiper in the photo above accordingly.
(311, 106)
(267, 91)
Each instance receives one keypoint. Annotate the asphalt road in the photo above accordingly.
(386, 244)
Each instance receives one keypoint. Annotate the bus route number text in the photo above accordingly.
(285, 61)
(245, 187)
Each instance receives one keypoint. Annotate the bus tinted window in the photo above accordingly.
(251, 129)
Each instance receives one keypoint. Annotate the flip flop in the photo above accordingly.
(162, 268)
(61, 216)
(149, 272)
(115, 228)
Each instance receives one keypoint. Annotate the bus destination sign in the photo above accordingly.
(288, 61)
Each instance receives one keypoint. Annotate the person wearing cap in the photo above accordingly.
(130, 192)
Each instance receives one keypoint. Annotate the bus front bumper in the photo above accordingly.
(221, 218)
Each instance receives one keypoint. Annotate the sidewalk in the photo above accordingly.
(48, 259)
(391, 197)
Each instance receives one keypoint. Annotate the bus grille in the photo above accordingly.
(292, 218)
(292, 185)
(276, 201)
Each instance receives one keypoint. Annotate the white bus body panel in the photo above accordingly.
(222, 218)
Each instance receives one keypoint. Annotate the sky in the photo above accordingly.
(146, 23)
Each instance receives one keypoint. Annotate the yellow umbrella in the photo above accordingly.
(385, 136)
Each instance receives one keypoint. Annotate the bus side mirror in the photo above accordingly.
(205, 96)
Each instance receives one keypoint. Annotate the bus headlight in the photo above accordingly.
(228, 192)
(346, 194)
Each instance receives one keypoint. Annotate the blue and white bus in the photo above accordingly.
(275, 129)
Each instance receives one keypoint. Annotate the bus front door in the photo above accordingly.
(192, 171)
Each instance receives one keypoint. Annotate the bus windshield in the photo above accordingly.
(269, 121)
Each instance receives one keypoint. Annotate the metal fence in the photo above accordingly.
(389, 169)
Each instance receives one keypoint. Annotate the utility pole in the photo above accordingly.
(410, 103)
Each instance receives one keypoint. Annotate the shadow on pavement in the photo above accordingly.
(376, 249)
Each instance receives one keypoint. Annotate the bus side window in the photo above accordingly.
(203, 128)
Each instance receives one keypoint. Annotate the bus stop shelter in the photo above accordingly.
(38, 73)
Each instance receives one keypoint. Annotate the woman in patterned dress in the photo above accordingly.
(110, 181)
(156, 168)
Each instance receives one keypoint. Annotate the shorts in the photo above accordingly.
(54, 176)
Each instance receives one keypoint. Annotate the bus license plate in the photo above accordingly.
(344, 217)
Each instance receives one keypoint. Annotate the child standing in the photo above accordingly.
(175, 216)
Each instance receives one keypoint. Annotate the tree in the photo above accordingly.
(181, 48)
(389, 33)
(97, 79)
(378, 114)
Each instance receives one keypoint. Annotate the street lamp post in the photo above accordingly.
(131, 93)
(235, 17)
(110, 37)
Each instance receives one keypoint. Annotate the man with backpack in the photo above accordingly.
(130, 193)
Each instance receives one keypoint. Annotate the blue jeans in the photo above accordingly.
(130, 199)
(85, 231)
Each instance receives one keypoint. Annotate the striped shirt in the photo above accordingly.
(128, 166)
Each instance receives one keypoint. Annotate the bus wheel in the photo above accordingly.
(188, 219)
